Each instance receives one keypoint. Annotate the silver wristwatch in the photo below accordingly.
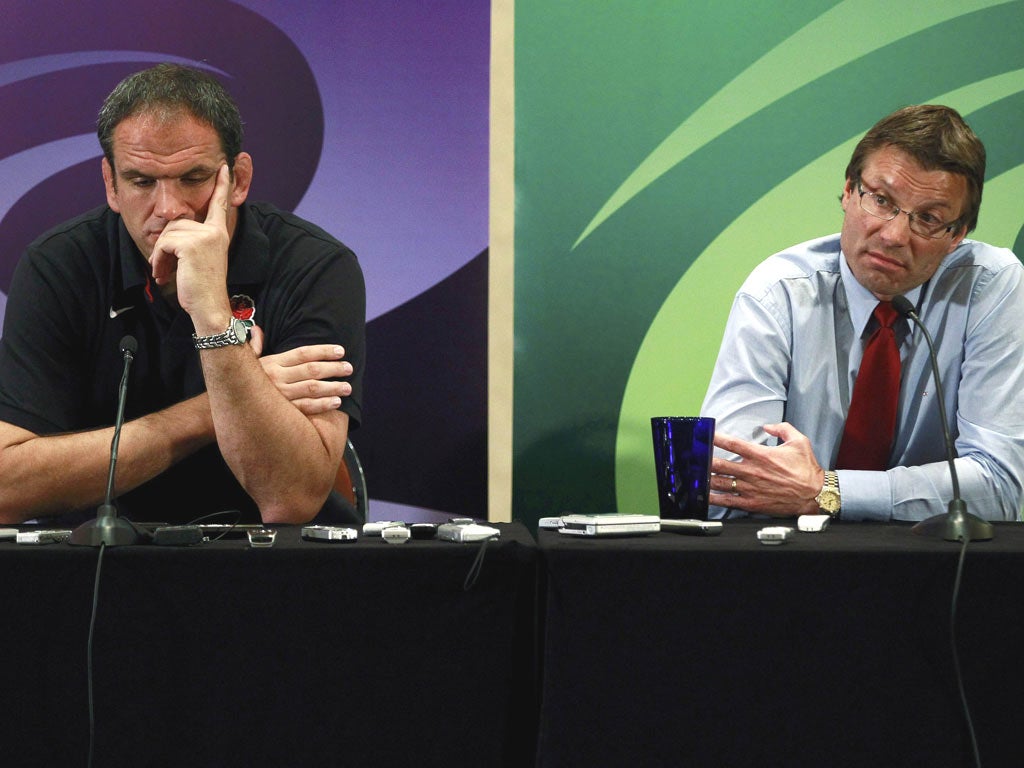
(237, 333)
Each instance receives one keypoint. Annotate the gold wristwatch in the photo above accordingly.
(828, 497)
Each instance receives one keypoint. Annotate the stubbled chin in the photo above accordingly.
(875, 272)
(885, 286)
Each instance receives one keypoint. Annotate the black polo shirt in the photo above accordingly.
(80, 288)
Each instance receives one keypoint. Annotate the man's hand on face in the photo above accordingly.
(193, 255)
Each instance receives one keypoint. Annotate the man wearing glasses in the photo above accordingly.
(803, 325)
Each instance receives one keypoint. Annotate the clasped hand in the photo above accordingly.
(303, 375)
(781, 481)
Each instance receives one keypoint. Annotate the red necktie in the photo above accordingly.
(871, 422)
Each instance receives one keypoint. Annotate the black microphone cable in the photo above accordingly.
(129, 346)
(957, 507)
(234, 515)
(956, 654)
(478, 564)
(89, 654)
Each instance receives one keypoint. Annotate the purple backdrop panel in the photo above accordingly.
(403, 177)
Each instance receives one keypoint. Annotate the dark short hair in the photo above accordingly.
(939, 139)
(172, 87)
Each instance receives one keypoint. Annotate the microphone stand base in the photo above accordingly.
(106, 528)
(953, 526)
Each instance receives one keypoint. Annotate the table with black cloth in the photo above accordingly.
(832, 649)
(303, 654)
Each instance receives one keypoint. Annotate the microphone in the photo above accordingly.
(957, 524)
(107, 528)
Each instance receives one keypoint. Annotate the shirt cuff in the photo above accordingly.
(865, 495)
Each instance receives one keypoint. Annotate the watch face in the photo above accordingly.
(240, 330)
(828, 501)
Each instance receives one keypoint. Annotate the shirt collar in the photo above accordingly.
(860, 300)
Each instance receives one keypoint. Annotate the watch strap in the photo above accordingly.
(228, 338)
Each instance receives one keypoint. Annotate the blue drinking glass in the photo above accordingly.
(683, 446)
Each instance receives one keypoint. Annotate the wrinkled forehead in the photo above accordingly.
(165, 137)
(894, 171)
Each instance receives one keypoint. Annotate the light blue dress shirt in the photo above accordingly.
(793, 344)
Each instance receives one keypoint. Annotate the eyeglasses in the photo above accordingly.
(923, 224)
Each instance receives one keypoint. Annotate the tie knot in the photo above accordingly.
(885, 314)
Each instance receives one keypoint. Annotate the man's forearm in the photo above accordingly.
(41, 475)
(917, 493)
(285, 460)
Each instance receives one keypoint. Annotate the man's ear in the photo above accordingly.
(956, 238)
(848, 191)
(110, 184)
(242, 179)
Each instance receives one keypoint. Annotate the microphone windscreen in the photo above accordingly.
(902, 305)
(129, 344)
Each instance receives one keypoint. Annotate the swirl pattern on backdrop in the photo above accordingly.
(49, 155)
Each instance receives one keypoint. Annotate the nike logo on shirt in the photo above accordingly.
(115, 312)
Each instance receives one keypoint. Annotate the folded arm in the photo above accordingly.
(59, 473)
(30, 486)
(285, 459)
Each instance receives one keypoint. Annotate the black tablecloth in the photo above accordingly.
(832, 649)
(304, 654)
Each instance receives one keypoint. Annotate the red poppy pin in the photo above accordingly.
(243, 307)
